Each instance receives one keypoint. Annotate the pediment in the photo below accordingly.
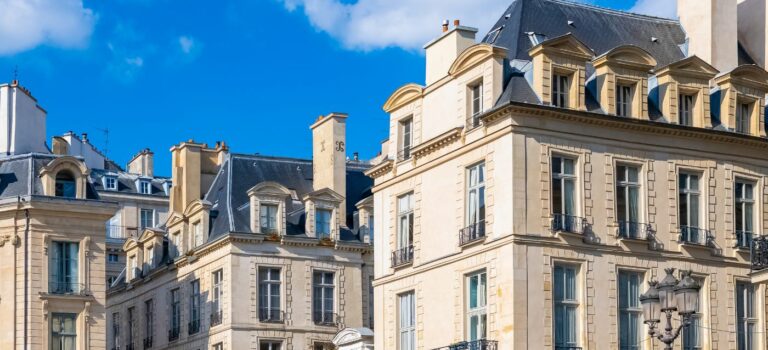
(366, 202)
(269, 188)
(196, 206)
(130, 243)
(566, 45)
(148, 234)
(403, 96)
(65, 162)
(352, 335)
(628, 56)
(750, 75)
(474, 55)
(324, 194)
(690, 66)
(174, 219)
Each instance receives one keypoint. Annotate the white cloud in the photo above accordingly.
(26, 24)
(137, 61)
(186, 44)
(659, 8)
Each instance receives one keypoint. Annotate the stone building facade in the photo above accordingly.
(541, 177)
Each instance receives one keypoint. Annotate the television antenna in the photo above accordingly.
(105, 132)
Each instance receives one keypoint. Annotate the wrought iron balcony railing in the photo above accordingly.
(472, 233)
(568, 223)
(696, 236)
(216, 318)
(481, 344)
(66, 288)
(567, 347)
(402, 256)
(271, 316)
(173, 333)
(148, 342)
(634, 230)
(759, 253)
(130, 346)
(193, 327)
(325, 318)
(744, 239)
(404, 154)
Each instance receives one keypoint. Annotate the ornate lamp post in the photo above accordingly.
(666, 297)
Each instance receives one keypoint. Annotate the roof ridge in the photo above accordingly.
(268, 157)
(614, 11)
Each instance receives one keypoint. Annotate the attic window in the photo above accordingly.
(110, 183)
(536, 38)
(144, 187)
(65, 184)
(493, 35)
(743, 114)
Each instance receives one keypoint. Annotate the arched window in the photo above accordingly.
(65, 184)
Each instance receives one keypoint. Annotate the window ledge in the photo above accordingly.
(50, 296)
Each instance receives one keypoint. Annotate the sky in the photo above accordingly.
(252, 73)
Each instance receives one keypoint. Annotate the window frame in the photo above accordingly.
(149, 318)
(195, 303)
(175, 306)
(624, 102)
(406, 330)
(475, 96)
(325, 289)
(481, 311)
(145, 187)
(270, 282)
(742, 124)
(325, 224)
(217, 292)
(110, 183)
(405, 237)
(143, 220)
(631, 310)
(563, 177)
(566, 304)
(742, 203)
(405, 139)
(265, 209)
(61, 335)
(689, 192)
(686, 117)
(561, 90)
(64, 267)
(479, 199)
(625, 186)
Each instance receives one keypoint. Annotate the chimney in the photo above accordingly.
(142, 163)
(753, 30)
(84, 137)
(60, 146)
(194, 167)
(712, 29)
(22, 121)
(442, 51)
(329, 165)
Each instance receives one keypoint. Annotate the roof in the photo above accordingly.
(127, 182)
(20, 175)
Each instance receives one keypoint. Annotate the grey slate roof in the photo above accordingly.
(19, 175)
(126, 182)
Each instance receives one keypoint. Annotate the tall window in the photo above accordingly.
(323, 297)
(627, 201)
(688, 203)
(566, 307)
(406, 139)
(630, 312)
(685, 109)
(145, 187)
(476, 310)
(560, 89)
(405, 222)
(63, 331)
(407, 324)
(692, 335)
(476, 102)
(268, 218)
(197, 231)
(131, 325)
(563, 186)
(370, 227)
(217, 297)
(63, 269)
(743, 113)
(623, 100)
(323, 223)
(746, 317)
(269, 294)
(476, 194)
(220, 346)
(270, 345)
(175, 320)
(116, 330)
(194, 307)
(65, 184)
(147, 218)
(133, 267)
(176, 249)
(744, 213)
(150, 254)
(149, 321)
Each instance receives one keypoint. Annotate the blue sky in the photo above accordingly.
(254, 73)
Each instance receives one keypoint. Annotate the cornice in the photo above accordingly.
(437, 142)
(384, 167)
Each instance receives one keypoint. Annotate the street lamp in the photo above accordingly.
(666, 297)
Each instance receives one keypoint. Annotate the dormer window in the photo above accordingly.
(145, 187)
(110, 183)
(406, 139)
(476, 102)
(685, 109)
(560, 90)
(65, 184)
(323, 223)
(743, 115)
(623, 100)
(268, 218)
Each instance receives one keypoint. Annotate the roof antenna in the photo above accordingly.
(105, 131)
(16, 73)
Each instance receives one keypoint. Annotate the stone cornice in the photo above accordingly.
(436, 142)
(382, 168)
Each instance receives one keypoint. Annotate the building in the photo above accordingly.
(258, 252)
(52, 239)
(549, 169)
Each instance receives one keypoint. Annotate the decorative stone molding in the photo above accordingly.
(382, 168)
(689, 76)
(436, 143)
(74, 166)
(625, 65)
(744, 84)
(475, 55)
(403, 96)
(566, 56)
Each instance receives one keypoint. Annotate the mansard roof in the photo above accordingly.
(20, 175)
(126, 182)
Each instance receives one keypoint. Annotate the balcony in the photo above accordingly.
(472, 233)
(117, 233)
(759, 252)
(567, 347)
(329, 319)
(404, 154)
(67, 288)
(744, 239)
(148, 342)
(482, 344)
(130, 346)
(271, 316)
(216, 318)
(634, 230)
(696, 236)
(173, 333)
(402, 256)
(568, 223)
(193, 327)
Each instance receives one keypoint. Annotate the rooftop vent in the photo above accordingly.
(654, 39)
(507, 16)
(536, 38)
(570, 23)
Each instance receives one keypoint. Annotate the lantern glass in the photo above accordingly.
(687, 300)
(650, 309)
(667, 297)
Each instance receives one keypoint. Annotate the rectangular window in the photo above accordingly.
(476, 102)
(218, 346)
(692, 335)
(630, 311)
(564, 195)
(406, 139)
(628, 201)
(270, 345)
(744, 213)
(685, 109)
(194, 307)
(405, 221)
(149, 322)
(269, 294)
(323, 223)
(116, 330)
(370, 228)
(476, 194)
(113, 258)
(323, 298)
(217, 297)
(560, 90)
(743, 114)
(175, 319)
(63, 331)
(268, 218)
(176, 249)
(476, 302)
(63, 269)
(689, 209)
(111, 280)
(197, 231)
(150, 254)
(623, 100)
(65, 185)
(566, 307)
(147, 218)
(110, 183)
(131, 325)
(133, 267)
(746, 316)
(145, 187)
(407, 322)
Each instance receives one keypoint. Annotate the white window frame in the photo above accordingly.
(197, 234)
(475, 101)
(744, 202)
(561, 90)
(270, 345)
(142, 221)
(267, 280)
(746, 316)
(685, 189)
(405, 221)
(476, 176)
(321, 291)
(480, 311)
(685, 109)
(405, 130)
(624, 97)
(406, 321)
(269, 215)
(110, 183)
(625, 187)
(743, 117)
(563, 177)
(145, 187)
(566, 304)
(632, 309)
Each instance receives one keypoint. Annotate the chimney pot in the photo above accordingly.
(445, 26)
(85, 137)
(456, 22)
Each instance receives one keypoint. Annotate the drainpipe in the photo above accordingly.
(26, 277)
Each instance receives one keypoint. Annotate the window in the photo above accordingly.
(370, 228)
(744, 213)
(476, 194)
(743, 113)
(145, 187)
(147, 218)
(566, 307)
(476, 102)
(407, 324)
(133, 268)
(116, 330)
(110, 183)
(323, 298)
(270, 345)
(65, 185)
(406, 139)
(149, 322)
(175, 319)
(217, 297)
(371, 312)
(63, 269)
(630, 312)
(63, 331)
(197, 234)
(113, 258)
(688, 202)
(268, 218)
(194, 307)
(476, 311)
(131, 325)
(150, 257)
(405, 227)
(692, 335)
(176, 249)
(564, 194)
(111, 280)
(628, 202)
(323, 223)
(560, 89)
(623, 100)
(269, 294)
(685, 109)
(220, 346)
(746, 317)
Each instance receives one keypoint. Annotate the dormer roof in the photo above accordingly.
(693, 67)
(565, 45)
(749, 75)
(626, 56)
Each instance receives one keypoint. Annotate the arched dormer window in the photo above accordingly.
(65, 177)
(682, 93)
(267, 200)
(559, 71)
(742, 98)
(622, 81)
(65, 185)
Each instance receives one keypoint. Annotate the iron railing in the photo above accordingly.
(118, 232)
(193, 327)
(759, 253)
(634, 230)
(271, 315)
(481, 344)
(325, 318)
(472, 233)
(404, 154)
(744, 239)
(130, 346)
(216, 318)
(173, 333)
(66, 288)
(696, 236)
(402, 256)
(567, 347)
(148, 342)
(568, 223)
